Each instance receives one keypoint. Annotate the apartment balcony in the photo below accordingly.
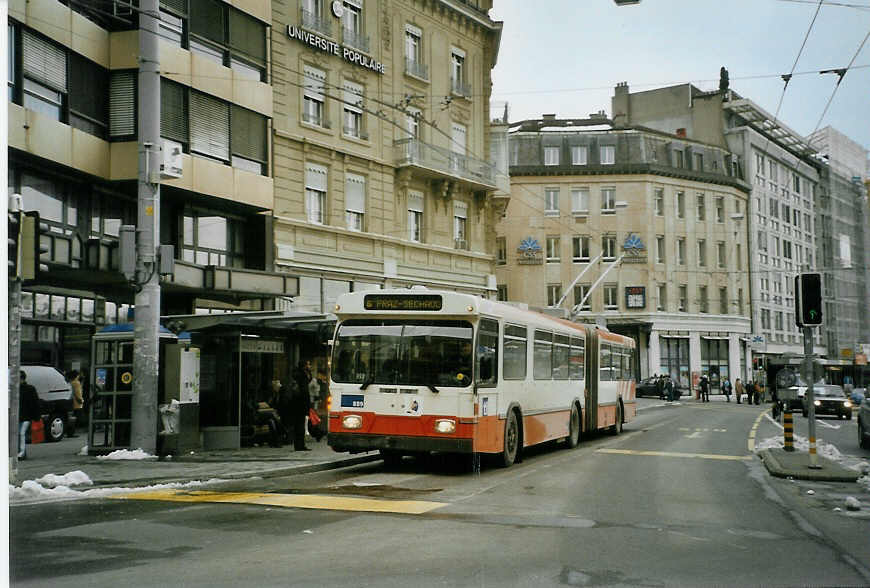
(355, 132)
(316, 23)
(416, 69)
(460, 88)
(356, 40)
(318, 121)
(429, 161)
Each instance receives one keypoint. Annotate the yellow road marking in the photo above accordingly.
(677, 454)
(750, 442)
(313, 501)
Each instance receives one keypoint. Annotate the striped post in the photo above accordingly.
(788, 430)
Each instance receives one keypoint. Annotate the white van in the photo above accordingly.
(55, 399)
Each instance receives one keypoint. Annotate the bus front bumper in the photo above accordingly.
(359, 442)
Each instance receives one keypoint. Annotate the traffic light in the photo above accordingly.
(30, 248)
(14, 232)
(808, 300)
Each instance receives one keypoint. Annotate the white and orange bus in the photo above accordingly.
(418, 370)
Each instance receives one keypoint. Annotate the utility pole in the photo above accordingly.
(147, 302)
(14, 349)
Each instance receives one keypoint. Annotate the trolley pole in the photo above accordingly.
(143, 432)
(811, 407)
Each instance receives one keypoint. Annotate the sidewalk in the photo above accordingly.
(63, 457)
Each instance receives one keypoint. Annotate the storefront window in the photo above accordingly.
(714, 360)
(58, 308)
(42, 306)
(26, 305)
(675, 360)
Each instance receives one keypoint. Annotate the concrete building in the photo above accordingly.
(381, 141)
(781, 167)
(843, 243)
(670, 210)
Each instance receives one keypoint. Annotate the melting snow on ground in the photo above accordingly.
(53, 487)
(127, 454)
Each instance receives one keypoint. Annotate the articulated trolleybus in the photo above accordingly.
(418, 370)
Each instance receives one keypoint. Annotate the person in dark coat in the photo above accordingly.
(705, 389)
(28, 410)
(669, 388)
(726, 388)
(301, 404)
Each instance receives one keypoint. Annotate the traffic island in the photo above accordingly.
(784, 464)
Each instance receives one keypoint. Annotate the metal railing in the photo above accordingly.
(319, 121)
(416, 69)
(355, 132)
(460, 88)
(316, 23)
(355, 40)
(414, 152)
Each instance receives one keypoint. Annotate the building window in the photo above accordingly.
(678, 158)
(460, 214)
(580, 246)
(500, 251)
(355, 202)
(458, 142)
(458, 84)
(702, 253)
(88, 96)
(554, 293)
(681, 205)
(352, 26)
(553, 244)
(702, 212)
(415, 216)
(720, 209)
(698, 161)
(248, 144)
(315, 193)
(551, 201)
(723, 300)
(353, 110)
(414, 53)
(720, 254)
(210, 239)
(314, 87)
(662, 303)
(209, 126)
(684, 298)
(740, 300)
(44, 76)
(739, 257)
(611, 296)
(580, 293)
(229, 37)
(660, 249)
(608, 247)
(122, 106)
(551, 156)
(579, 201)
(681, 251)
(501, 293)
(796, 183)
(608, 154)
(702, 299)
(579, 155)
(659, 201)
(608, 200)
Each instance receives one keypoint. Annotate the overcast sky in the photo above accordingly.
(566, 56)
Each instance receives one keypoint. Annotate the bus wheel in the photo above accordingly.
(574, 428)
(616, 429)
(511, 440)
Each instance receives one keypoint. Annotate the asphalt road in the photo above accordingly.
(678, 499)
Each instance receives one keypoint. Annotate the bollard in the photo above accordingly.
(788, 430)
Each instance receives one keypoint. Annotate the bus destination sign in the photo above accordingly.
(431, 302)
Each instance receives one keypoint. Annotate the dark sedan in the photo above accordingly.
(829, 399)
(647, 387)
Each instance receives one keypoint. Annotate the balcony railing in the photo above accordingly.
(319, 121)
(355, 40)
(444, 162)
(355, 132)
(460, 88)
(316, 23)
(416, 69)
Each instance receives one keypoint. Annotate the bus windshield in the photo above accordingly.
(414, 353)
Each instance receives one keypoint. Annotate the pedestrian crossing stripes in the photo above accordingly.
(312, 501)
(677, 454)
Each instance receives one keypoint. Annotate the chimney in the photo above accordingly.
(620, 105)
(681, 132)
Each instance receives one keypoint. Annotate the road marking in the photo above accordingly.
(313, 501)
(677, 454)
(750, 443)
(824, 424)
(694, 435)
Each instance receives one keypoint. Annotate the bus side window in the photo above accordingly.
(487, 353)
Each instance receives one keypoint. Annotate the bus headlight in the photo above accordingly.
(351, 421)
(817, 402)
(445, 426)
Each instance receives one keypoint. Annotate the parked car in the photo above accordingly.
(864, 423)
(647, 387)
(829, 399)
(55, 399)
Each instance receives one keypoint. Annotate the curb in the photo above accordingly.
(830, 471)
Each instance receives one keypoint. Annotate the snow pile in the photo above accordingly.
(119, 454)
(32, 491)
(802, 444)
(83, 450)
(76, 478)
(852, 503)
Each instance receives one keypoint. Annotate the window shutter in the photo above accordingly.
(179, 7)
(355, 193)
(207, 19)
(173, 111)
(315, 177)
(88, 83)
(458, 136)
(43, 61)
(460, 209)
(248, 36)
(314, 83)
(415, 201)
(248, 134)
(122, 104)
(352, 94)
(209, 126)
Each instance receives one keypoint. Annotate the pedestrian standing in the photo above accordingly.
(301, 404)
(669, 388)
(78, 401)
(660, 386)
(705, 389)
(28, 410)
(738, 389)
(726, 387)
(757, 387)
